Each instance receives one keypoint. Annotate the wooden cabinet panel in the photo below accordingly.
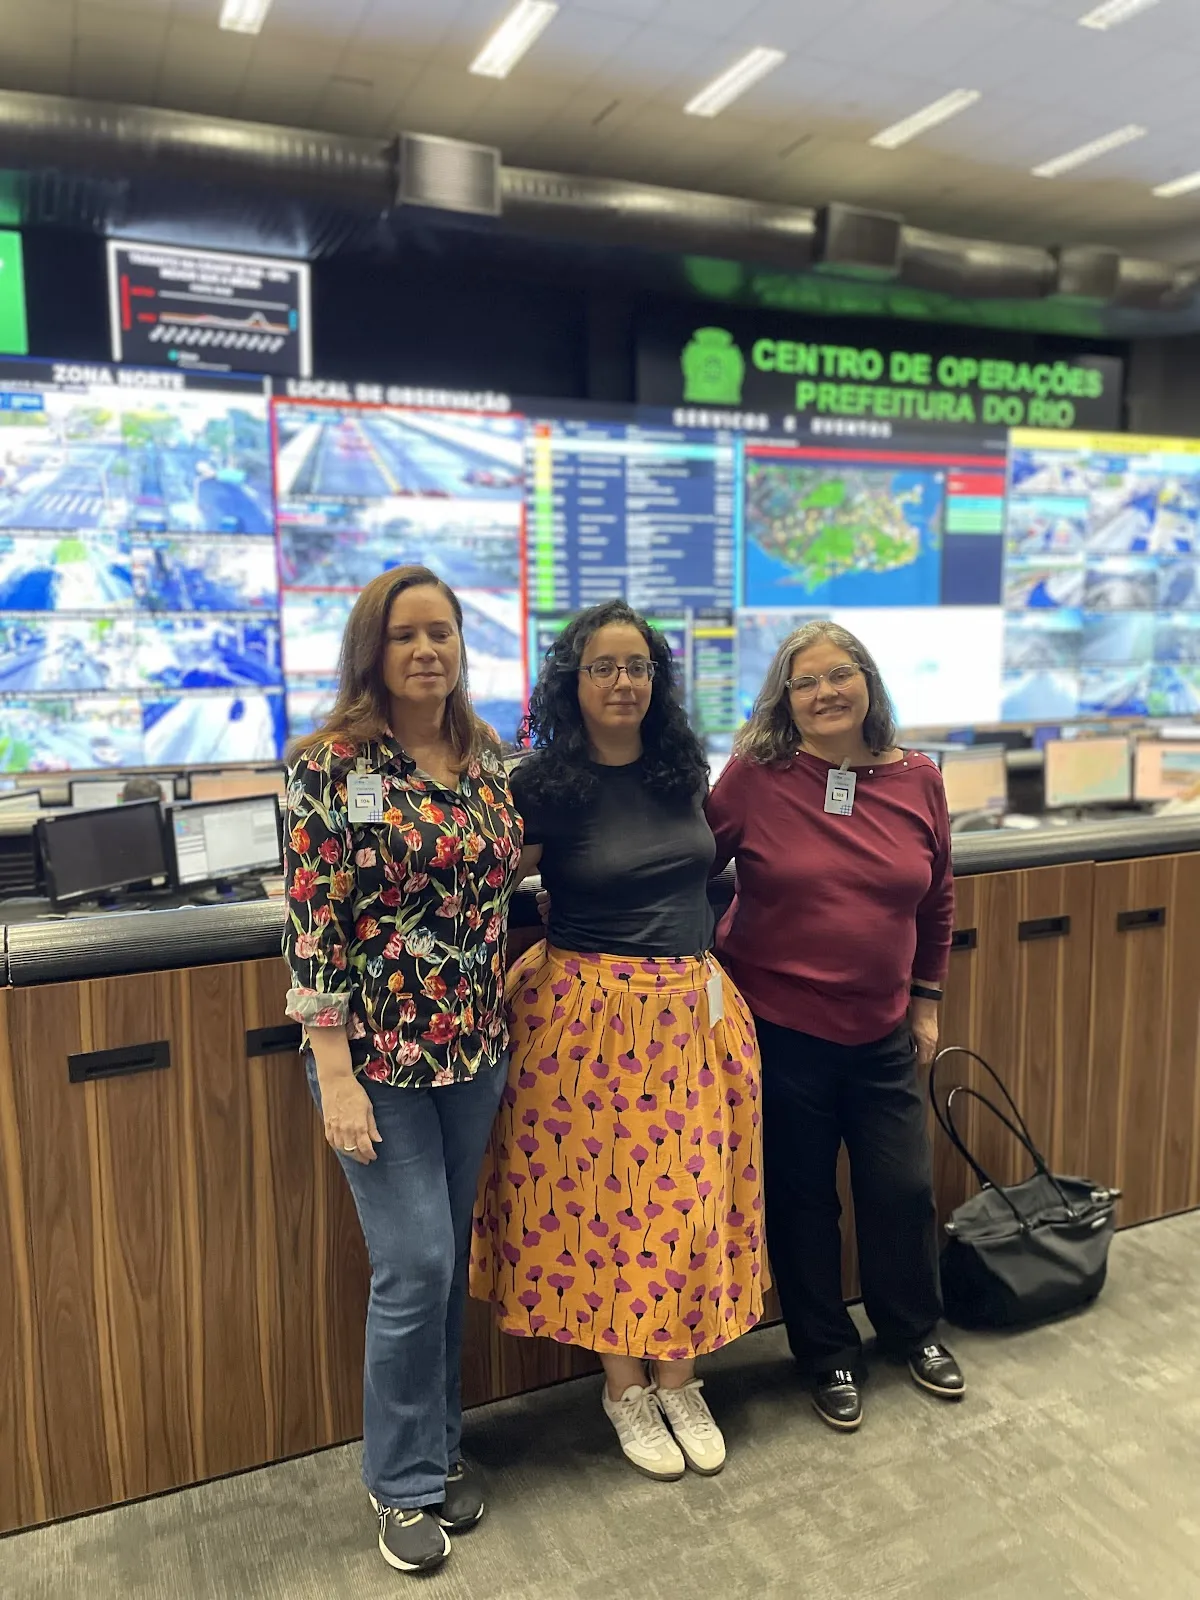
(23, 1493)
(62, 1200)
(135, 1136)
(228, 1408)
(1179, 1181)
(1142, 1080)
(1022, 1004)
(288, 1154)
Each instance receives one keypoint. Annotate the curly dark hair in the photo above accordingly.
(557, 771)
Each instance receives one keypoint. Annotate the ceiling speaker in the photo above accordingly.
(857, 244)
(447, 175)
(1086, 272)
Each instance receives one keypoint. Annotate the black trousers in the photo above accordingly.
(817, 1095)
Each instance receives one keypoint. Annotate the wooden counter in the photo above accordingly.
(182, 1277)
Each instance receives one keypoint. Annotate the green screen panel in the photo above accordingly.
(14, 333)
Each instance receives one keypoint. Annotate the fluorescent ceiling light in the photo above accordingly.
(1089, 152)
(244, 16)
(527, 20)
(723, 91)
(1185, 185)
(1113, 13)
(928, 117)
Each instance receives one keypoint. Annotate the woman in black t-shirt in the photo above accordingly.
(619, 1207)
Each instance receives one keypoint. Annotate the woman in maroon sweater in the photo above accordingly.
(838, 937)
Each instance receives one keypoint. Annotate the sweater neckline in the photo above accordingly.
(885, 769)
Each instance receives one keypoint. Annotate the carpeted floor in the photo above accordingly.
(1071, 1470)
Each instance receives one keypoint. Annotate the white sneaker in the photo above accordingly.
(693, 1426)
(643, 1434)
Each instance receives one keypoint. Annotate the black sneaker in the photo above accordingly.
(463, 1505)
(410, 1541)
(836, 1399)
(935, 1369)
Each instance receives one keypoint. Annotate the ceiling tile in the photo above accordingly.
(717, 17)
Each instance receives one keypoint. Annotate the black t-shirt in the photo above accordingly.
(627, 872)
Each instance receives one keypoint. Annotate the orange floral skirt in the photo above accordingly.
(620, 1202)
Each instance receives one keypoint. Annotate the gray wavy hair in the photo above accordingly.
(771, 735)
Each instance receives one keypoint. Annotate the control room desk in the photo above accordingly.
(182, 1278)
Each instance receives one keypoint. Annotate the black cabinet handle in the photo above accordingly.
(282, 1040)
(1043, 928)
(117, 1063)
(964, 939)
(1147, 917)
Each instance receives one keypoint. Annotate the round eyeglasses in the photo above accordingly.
(605, 672)
(837, 678)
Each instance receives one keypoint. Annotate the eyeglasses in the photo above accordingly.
(837, 678)
(606, 672)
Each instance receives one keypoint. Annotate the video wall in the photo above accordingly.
(179, 553)
(139, 602)
(1102, 577)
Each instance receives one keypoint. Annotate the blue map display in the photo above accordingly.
(828, 535)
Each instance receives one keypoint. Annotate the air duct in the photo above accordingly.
(136, 152)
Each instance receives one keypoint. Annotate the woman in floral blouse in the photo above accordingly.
(401, 857)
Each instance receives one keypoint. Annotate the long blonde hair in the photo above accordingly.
(360, 712)
(771, 735)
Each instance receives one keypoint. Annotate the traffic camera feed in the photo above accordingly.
(139, 591)
(1102, 577)
(365, 489)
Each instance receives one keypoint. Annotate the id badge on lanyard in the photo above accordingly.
(839, 792)
(364, 795)
(715, 993)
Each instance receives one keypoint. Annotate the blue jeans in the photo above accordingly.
(414, 1202)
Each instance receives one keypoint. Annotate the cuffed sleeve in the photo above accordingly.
(725, 809)
(316, 1010)
(935, 914)
(318, 865)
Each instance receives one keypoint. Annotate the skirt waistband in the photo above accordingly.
(632, 974)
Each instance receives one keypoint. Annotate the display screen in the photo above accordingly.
(1102, 577)
(139, 612)
(1087, 772)
(88, 852)
(89, 793)
(975, 779)
(235, 785)
(901, 543)
(364, 489)
(1165, 771)
(208, 311)
(225, 840)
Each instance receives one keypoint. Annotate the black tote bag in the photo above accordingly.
(1021, 1253)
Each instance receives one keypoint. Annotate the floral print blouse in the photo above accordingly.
(396, 929)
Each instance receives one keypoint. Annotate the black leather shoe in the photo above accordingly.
(463, 1505)
(836, 1400)
(935, 1369)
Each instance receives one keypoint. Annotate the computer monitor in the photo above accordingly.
(236, 785)
(1087, 772)
(91, 794)
(87, 853)
(218, 841)
(18, 801)
(976, 779)
(1165, 770)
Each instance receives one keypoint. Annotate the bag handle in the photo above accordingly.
(1039, 1161)
(1018, 1127)
(961, 1050)
(946, 1122)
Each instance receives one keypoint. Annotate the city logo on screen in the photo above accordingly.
(714, 368)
